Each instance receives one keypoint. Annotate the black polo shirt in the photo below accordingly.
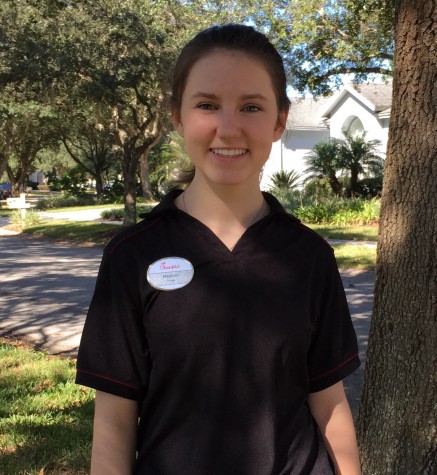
(221, 367)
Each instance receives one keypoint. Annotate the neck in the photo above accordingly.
(223, 205)
(226, 211)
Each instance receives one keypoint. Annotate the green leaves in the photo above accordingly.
(321, 40)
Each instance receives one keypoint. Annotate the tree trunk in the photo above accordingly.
(3, 163)
(130, 165)
(397, 417)
(353, 182)
(99, 184)
(144, 175)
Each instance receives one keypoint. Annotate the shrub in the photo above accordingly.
(289, 199)
(65, 201)
(43, 188)
(285, 179)
(341, 212)
(32, 218)
(117, 214)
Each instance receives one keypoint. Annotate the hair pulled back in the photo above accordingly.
(230, 37)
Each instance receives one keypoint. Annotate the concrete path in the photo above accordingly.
(46, 288)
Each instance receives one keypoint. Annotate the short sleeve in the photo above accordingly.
(333, 353)
(113, 354)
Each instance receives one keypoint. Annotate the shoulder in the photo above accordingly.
(131, 236)
(293, 229)
(140, 235)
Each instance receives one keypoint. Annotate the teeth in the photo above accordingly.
(229, 153)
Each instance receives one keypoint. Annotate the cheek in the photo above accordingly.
(197, 130)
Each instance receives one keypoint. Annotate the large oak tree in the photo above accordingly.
(397, 422)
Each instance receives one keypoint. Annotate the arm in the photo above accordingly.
(331, 411)
(114, 435)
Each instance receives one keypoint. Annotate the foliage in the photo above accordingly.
(324, 162)
(25, 129)
(321, 40)
(358, 156)
(341, 212)
(65, 201)
(166, 161)
(289, 199)
(285, 179)
(46, 419)
(31, 218)
(316, 190)
(73, 182)
(352, 157)
(88, 142)
(117, 214)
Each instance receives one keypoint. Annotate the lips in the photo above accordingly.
(225, 152)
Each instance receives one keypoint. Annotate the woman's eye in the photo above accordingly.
(206, 107)
(252, 108)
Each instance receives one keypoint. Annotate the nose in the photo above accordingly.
(228, 125)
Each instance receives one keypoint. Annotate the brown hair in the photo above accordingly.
(231, 37)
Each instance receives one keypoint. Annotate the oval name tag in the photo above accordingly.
(170, 273)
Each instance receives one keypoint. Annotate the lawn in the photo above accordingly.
(350, 233)
(45, 419)
(76, 231)
(353, 256)
(349, 256)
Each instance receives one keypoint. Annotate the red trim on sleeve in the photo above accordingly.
(112, 380)
(333, 370)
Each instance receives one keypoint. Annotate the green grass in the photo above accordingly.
(349, 233)
(45, 419)
(83, 208)
(5, 212)
(76, 231)
(352, 256)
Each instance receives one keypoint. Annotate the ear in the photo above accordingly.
(280, 125)
(177, 123)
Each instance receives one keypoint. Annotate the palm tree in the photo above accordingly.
(359, 157)
(323, 162)
(285, 179)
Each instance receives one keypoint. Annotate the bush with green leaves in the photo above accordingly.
(31, 218)
(117, 214)
(285, 180)
(65, 201)
(289, 199)
(341, 212)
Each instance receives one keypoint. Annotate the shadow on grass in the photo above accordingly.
(57, 447)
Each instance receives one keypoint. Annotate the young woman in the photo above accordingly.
(219, 334)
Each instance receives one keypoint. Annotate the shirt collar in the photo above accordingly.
(168, 204)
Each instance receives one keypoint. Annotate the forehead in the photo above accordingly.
(229, 70)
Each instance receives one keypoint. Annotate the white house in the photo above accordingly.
(354, 108)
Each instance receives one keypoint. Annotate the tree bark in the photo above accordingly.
(130, 165)
(397, 418)
(144, 174)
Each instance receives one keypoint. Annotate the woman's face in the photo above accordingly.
(229, 118)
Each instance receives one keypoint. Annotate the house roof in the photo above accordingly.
(311, 113)
(376, 96)
(306, 113)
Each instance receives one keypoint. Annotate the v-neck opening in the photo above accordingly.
(210, 232)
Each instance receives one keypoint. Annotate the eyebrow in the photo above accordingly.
(245, 97)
